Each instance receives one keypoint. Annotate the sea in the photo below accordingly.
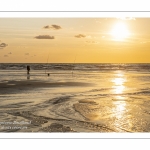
(91, 97)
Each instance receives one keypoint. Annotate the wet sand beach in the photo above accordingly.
(19, 117)
(88, 101)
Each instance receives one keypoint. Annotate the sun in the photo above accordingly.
(120, 31)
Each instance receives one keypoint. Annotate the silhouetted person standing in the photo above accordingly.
(28, 69)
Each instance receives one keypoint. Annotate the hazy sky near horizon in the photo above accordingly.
(83, 40)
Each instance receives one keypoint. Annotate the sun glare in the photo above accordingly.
(118, 86)
(120, 31)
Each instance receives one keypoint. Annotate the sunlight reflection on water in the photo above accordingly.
(119, 106)
(118, 83)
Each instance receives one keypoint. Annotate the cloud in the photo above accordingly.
(5, 55)
(46, 27)
(54, 27)
(3, 45)
(80, 36)
(26, 53)
(44, 37)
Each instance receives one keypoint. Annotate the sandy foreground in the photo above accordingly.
(26, 116)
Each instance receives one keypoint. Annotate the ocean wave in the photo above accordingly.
(80, 67)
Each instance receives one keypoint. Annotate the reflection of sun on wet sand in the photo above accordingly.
(87, 108)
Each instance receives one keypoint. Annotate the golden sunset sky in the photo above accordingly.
(61, 40)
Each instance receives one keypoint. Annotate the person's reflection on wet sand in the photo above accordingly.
(28, 76)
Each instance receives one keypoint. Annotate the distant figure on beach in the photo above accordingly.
(48, 74)
(28, 69)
